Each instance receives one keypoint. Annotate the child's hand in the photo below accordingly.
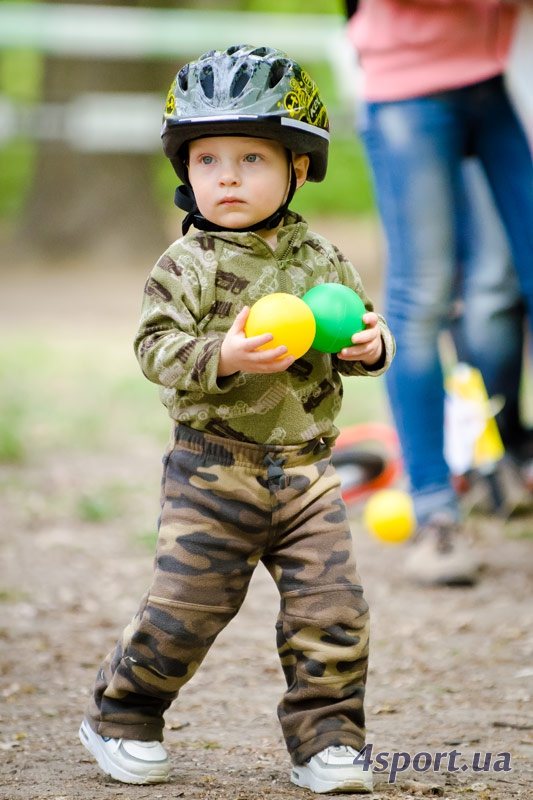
(239, 354)
(367, 345)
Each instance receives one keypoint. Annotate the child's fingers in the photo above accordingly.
(271, 359)
(363, 344)
(364, 337)
(240, 320)
(269, 354)
(257, 341)
(277, 364)
(370, 318)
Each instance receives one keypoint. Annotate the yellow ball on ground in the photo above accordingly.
(389, 515)
(287, 318)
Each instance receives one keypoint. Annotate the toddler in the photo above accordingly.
(247, 475)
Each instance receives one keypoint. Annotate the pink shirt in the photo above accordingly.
(409, 48)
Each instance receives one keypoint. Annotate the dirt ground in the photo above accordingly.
(451, 670)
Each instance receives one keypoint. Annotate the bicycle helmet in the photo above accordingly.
(246, 91)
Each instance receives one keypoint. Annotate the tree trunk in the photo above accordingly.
(95, 205)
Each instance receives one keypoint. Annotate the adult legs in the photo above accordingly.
(488, 329)
(502, 147)
(437, 225)
(414, 148)
(504, 152)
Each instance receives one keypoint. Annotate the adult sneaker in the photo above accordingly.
(439, 555)
(127, 760)
(334, 769)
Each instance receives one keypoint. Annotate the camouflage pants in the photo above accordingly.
(227, 505)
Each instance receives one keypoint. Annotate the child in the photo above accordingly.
(247, 476)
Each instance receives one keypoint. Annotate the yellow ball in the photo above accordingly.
(287, 318)
(389, 515)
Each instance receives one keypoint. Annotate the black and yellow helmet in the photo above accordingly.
(246, 91)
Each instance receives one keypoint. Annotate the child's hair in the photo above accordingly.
(246, 91)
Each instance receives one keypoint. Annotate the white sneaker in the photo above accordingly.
(333, 770)
(127, 760)
(439, 556)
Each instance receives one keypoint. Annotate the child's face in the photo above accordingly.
(238, 181)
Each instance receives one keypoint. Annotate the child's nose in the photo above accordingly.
(228, 175)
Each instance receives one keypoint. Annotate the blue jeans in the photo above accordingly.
(416, 149)
(489, 304)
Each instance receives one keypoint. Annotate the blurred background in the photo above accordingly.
(86, 208)
(82, 90)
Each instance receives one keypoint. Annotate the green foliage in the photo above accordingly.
(59, 395)
(346, 189)
(519, 528)
(21, 74)
(13, 595)
(147, 539)
(12, 449)
(20, 81)
(101, 505)
(296, 7)
(16, 173)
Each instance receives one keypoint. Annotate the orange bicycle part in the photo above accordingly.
(365, 442)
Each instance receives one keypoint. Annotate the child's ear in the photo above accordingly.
(301, 165)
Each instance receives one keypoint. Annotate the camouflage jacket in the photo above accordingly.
(190, 301)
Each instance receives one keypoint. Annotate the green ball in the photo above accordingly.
(338, 312)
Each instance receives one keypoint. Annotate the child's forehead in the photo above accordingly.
(234, 142)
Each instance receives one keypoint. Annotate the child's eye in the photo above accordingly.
(252, 157)
(207, 160)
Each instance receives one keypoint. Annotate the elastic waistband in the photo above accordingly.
(230, 451)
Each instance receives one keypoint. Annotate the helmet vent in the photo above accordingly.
(234, 49)
(207, 81)
(241, 79)
(183, 78)
(277, 71)
(261, 52)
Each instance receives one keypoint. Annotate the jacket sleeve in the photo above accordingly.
(173, 345)
(350, 277)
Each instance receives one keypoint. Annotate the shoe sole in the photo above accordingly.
(320, 786)
(89, 739)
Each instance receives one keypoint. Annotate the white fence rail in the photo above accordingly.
(121, 32)
(89, 122)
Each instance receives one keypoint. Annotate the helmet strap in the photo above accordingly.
(184, 198)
